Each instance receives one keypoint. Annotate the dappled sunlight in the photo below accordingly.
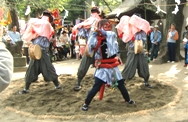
(170, 74)
(185, 79)
(185, 87)
(150, 66)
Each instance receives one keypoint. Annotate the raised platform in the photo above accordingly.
(20, 61)
(20, 69)
(20, 64)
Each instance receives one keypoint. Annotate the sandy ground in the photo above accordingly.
(166, 101)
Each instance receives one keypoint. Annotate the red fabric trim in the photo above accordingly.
(107, 63)
(100, 37)
(109, 60)
(101, 92)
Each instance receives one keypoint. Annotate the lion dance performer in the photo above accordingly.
(85, 29)
(39, 31)
(104, 43)
(134, 32)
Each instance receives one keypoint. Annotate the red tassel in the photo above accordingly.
(120, 36)
(133, 39)
(101, 92)
(33, 31)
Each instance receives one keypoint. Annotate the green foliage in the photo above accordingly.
(76, 8)
(111, 3)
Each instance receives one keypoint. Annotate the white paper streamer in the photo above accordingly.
(187, 21)
(118, 13)
(175, 10)
(159, 10)
(28, 10)
(178, 1)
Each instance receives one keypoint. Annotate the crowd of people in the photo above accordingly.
(67, 43)
(155, 38)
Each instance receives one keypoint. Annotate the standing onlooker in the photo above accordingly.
(155, 40)
(82, 44)
(185, 40)
(172, 36)
(148, 39)
(70, 30)
(15, 36)
(77, 51)
(73, 39)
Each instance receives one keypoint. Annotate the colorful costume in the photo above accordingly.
(107, 51)
(39, 31)
(136, 61)
(136, 29)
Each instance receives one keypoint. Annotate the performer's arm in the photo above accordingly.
(160, 36)
(152, 37)
(92, 42)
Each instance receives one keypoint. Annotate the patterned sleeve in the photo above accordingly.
(92, 42)
(6, 67)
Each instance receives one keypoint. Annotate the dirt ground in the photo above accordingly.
(44, 101)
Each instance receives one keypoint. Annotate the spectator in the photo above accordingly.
(185, 40)
(64, 39)
(70, 30)
(172, 36)
(6, 38)
(73, 39)
(15, 36)
(155, 40)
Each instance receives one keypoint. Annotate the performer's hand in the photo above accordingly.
(120, 61)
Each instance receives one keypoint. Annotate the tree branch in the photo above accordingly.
(107, 5)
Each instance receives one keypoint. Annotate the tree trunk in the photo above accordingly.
(178, 20)
(14, 17)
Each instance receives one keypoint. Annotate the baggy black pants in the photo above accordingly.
(43, 66)
(84, 66)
